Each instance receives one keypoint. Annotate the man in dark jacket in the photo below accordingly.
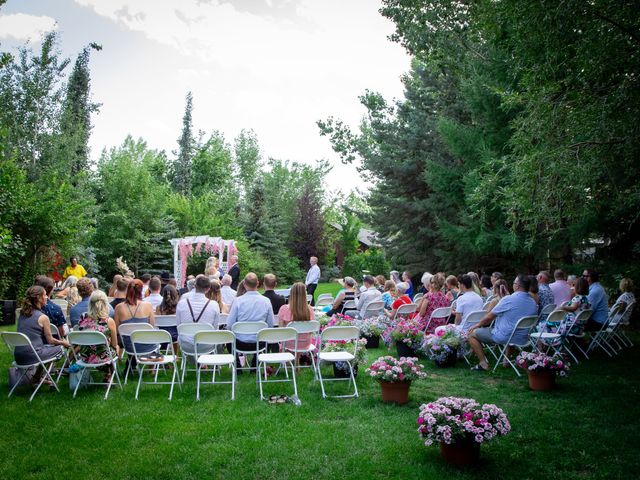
(234, 272)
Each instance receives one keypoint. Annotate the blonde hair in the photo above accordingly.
(390, 286)
(626, 285)
(298, 303)
(98, 305)
(437, 281)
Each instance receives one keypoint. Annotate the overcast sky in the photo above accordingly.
(275, 66)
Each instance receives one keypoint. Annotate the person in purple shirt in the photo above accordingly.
(506, 314)
(560, 288)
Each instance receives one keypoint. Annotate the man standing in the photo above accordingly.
(234, 273)
(74, 269)
(228, 293)
(598, 299)
(250, 307)
(371, 294)
(545, 294)
(468, 301)
(560, 288)
(313, 277)
(506, 314)
(276, 300)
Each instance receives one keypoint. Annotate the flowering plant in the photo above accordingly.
(337, 320)
(538, 361)
(371, 327)
(451, 419)
(347, 345)
(408, 332)
(445, 339)
(390, 369)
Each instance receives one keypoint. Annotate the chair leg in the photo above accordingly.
(259, 376)
(173, 382)
(293, 375)
(198, 383)
(23, 372)
(140, 373)
(324, 395)
(106, 395)
(353, 379)
(78, 384)
(233, 380)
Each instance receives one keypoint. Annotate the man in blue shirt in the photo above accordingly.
(50, 309)
(598, 299)
(506, 313)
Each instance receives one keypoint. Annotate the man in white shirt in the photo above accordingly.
(228, 293)
(154, 298)
(370, 294)
(560, 288)
(197, 308)
(313, 277)
(468, 301)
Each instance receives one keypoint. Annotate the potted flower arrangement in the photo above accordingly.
(395, 377)
(460, 426)
(340, 369)
(542, 369)
(371, 329)
(408, 338)
(442, 346)
(337, 320)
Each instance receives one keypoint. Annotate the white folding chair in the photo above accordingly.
(471, 320)
(349, 308)
(323, 302)
(338, 334)
(523, 327)
(189, 330)
(374, 309)
(62, 303)
(124, 331)
(154, 337)
(417, 297)
(405, 309)
(248, 328)
(210, 340)
(572, 339)
(621, 333)
(323, 296)
(15, 339)
(603, 336)
(93, 338)
(276, 335)
(165, 322)
(311, 327)
(555, 340)
(442, 312)
(55, 332)
(546, 311)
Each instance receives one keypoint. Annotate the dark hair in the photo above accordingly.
(466, 281)
(496, 275)
(485, 281)
(524, 281)
(73, 258)
(582, 286)
(241, 289)
(30, 302)
(85, 287)
(369, 279)
(533, 286)
(145, 277)
(45, 282)
(134, 291)
(170, 300)
(202, 284)
(559, 275)
(593, 275)
(122, 284)
(155, 284)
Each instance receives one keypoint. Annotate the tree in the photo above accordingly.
(307, 238)
(183, 164)
(248, 159)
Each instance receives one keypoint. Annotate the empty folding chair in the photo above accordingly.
(625, 319)
(573, 339)
(124, 331)
(206, 342)
(311, 327)
(438, 313)
(323, 302)
(374, 309)
(406, 309)
(603, 337)
(350, 308)
(519, 339)
(247, 328)
(555, 340)
(15, 340)
(186, 335)
(93, 338)
(154, 337)
(323, 296)
(346, 334)
(470, 321)
(417, 297)
(276, 335)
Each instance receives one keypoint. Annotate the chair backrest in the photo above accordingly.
(324, 295)
(442, 312)
(211, 338)
(417, 297)
(61, 302)
(349, 305)
(311, 326)
(323, 302)
(87, 337)
(525, 323)
(454, 304)
(340, 333)
(373, 309)
(193, 328)
(15, 339)
(166, 321)
(556, 316)
(54, 330)
(275, 335)
(547, 309)
(472, 319)
(615, 316)
(150, 337)
(124, 330)
(406, 309)
(18, 312)
(248, 327)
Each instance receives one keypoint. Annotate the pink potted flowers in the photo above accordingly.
(395, 377)
(542, 369)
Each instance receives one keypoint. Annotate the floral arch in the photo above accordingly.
(183, 248)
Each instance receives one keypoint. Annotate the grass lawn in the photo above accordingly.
(587, 428)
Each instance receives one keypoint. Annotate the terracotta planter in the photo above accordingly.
(462, 452)
(373, 342)
(397, 392)
(542, 381)
(404, 350)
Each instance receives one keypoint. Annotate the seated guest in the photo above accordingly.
(627, 298)
(197, 308)
(85, 289)
(169, 302)
(114, 285)
(241, 289)
(146, 278)
(215, 295)
(545, 294)
(571, 281)
(400, 299)
(452, 286)
(345, 295)
(499, 291)
(487, 285)
(69, 292)
(190, 286)
(468, 301)
(389, 294)
(135, 310)
(476, 284)
(380, 281)
(35, 325)
(164, 280)
(228, 293)
(578, 303)
(395, 276)
(250, 307)
(370, 294)
(506, 315)
(50, 309)
(187, 286)
(426, 281)
(298, 310)
(560, 288)
(406, 278)
(433, 299)
(533, 289)
(495, 276)
(121, 292)
(154, 297)
(276, 300)
(98, 319)
(598, 299)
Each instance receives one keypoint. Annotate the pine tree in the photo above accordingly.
(308, 228)
(182, 166)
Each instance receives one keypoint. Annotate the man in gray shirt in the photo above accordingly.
(371, 294)
(250, 307)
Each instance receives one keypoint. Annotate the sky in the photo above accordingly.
(274, 66)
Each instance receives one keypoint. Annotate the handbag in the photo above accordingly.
(15, 373)
(77, 375)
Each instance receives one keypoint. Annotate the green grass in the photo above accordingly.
(587, 428)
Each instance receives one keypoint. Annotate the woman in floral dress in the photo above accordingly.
(577, 304)
(433, 299)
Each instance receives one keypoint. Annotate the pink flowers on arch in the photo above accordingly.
(451, 419)
(391, 369)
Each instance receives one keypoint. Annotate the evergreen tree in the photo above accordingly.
(183, 164)
(248, 159)
(307, 238)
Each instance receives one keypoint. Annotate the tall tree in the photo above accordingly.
(248, 159)
(307, 238)
(183, 163)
